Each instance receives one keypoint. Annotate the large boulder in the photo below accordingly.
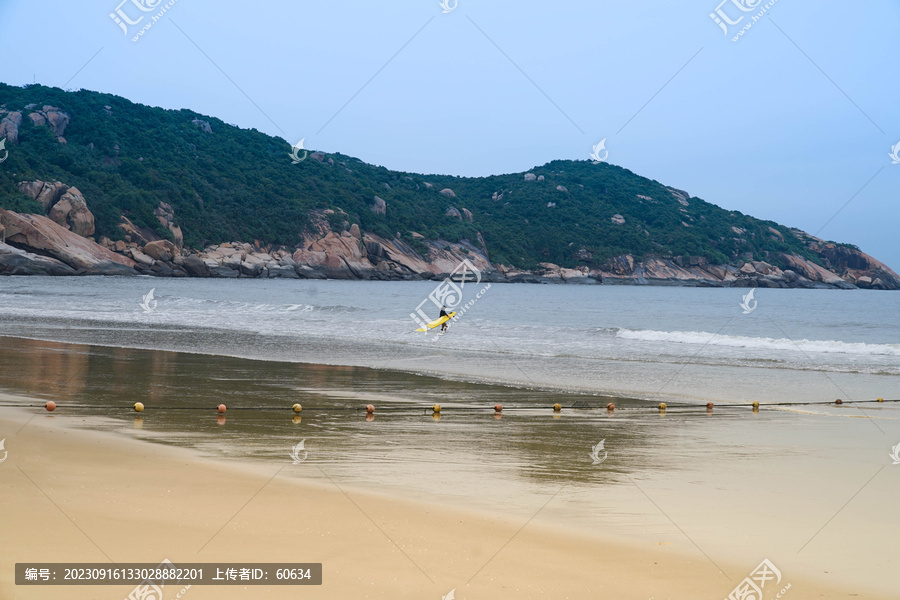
(166, 215)
(71, 211)
(45, 192)
(254, 265)
(275, 270)
(814, 272)
(307, 272)
(162, 250)
(57, 120)
(41, 235)
(195, 266)
(379, 207)
(622, 266)
(338, 256)
(138, 235)
(9, 127)
(140, 258)
(15, 261)
(202, 125)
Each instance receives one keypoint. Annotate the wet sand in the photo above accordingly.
(94, 497)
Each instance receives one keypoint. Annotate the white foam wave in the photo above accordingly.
(738, 341)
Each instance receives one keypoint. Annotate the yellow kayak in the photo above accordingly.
(438, 322)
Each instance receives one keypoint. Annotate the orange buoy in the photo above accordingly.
(709, 405)
(50, 406)
(838, 401)
(498, 407)
(557, 407)
(370, 408)
(610, 406)
(221, 409)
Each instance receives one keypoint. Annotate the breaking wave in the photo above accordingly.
(738, 341)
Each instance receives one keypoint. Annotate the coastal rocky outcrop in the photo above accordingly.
(35, 244)
(63, 204)
(14, 261)
(39, 235)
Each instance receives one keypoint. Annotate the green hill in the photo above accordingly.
(240, 184)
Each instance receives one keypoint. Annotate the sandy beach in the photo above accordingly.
(75, 495)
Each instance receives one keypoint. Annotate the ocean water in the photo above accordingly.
(654, 343)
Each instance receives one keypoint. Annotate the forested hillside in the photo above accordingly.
(226, 183)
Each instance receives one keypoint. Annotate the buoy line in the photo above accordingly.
(498, 408)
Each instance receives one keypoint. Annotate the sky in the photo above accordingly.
(792, 122)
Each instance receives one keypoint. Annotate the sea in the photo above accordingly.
(672, 344)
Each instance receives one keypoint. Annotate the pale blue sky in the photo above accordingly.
(779, 129)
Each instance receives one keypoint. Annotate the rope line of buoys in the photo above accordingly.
(498, 408)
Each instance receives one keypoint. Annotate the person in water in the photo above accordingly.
(447, 322)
